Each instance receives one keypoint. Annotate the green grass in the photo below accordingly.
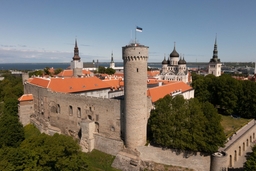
(231, 124)
(99, 161)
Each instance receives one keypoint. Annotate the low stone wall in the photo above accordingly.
(195, 161)
(107, 145)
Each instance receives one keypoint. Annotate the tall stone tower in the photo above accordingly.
(135, 57)
(112, 63)
(214, 66)
(76, 63)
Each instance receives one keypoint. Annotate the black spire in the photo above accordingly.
(215, 51)
(76, 52)
(112, 59)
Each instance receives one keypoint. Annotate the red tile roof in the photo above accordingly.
(159, 92)
(69, 73)
(153, 73)
(26, 97)
(71, 84)
(114, 83)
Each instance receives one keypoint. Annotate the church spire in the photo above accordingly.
(215, 50)
(76, 52)
(112, 59)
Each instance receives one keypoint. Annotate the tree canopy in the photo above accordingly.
(230, 96)
(186, 124)
(103, 70)
(250, 164)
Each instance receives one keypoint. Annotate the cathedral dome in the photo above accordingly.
(182, 61)
(174, 53)
(164, 61)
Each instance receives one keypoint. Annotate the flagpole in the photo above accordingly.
(135, 35)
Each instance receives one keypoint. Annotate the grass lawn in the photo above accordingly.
(231, 124)
(99, 161)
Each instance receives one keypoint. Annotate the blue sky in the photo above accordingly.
(45, 31)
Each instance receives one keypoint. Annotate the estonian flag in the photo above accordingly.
(139, 29)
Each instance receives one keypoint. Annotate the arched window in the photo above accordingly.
(253, 135)
(239, 152)
(97, 127)
(230, 161)
(58, 108)
(235, 157)
(243, 146)
(70, 110)
(250, 138)
(79, 112)
(247, 143)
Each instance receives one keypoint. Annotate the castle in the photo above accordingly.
(102, 118)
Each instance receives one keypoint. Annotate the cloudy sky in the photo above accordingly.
(45, 31)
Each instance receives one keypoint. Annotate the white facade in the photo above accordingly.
(175, 68)
(214, 66)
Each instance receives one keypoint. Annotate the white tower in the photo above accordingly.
(76, 64)
(135, 57)
(112, 63)
(214, 66)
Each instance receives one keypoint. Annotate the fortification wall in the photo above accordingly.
(25, 110)
(197, 161)
(107, 145)
(66, 111)
(240, 143)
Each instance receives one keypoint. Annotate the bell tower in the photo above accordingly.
(76, 63)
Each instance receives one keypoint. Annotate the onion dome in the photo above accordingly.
(174, 53)
(182, 61)
(164, 61)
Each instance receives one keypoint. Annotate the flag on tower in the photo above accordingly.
(139, 29)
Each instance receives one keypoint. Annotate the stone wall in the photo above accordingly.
(197, 161)
(26, 109)
(107, 145)
(67, 111)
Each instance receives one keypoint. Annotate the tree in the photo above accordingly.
(186, 125)
(11, 131)
(57, 71)
(101, 69)
(247, 100)
(110, 71)
(44, 152)
(250, 164)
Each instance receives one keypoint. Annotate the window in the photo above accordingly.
(70, 110)
(79, 112)
(137, 69)
(58, 108)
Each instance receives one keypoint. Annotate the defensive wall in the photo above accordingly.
(73, 114)
(235, 150)
(197, 161)
(99, 124)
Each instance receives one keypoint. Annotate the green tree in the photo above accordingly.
(247, 100)
(101, 70)
(186, 125)
(11, 131)
(110, 71)
(36, 73)
(44, 152)
(57, 71)
(250, 164)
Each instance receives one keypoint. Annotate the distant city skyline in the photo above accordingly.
(45, 31)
